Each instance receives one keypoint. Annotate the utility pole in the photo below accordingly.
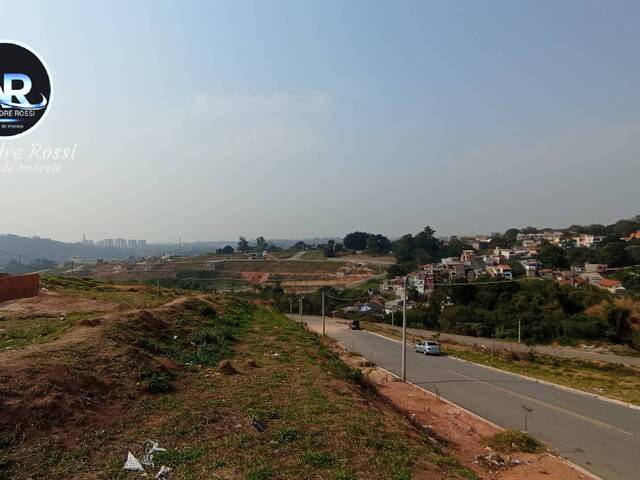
(291, 308)
(404, 332)
(519, 330)
(393, 310)
(323, 321)
(300, 309)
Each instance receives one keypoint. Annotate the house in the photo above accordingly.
(393, 306)
(588, 241)
(614, 286)
(593, 278)
(531, 267)
(422, 282)
(595, 267)
(468, 256)
(393, 285)
(546, 273)
(500, 271)
(481, 242)
(632, 236)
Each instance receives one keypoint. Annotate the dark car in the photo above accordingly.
(354, 325)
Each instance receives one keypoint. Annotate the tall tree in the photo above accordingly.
(378, 244)
(261, 244)
(243, 244)
(356, 240)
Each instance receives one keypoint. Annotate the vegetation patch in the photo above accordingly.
(512, 441)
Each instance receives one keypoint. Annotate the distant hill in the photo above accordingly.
(27, 249)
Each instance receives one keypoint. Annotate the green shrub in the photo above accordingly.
(510, 441)
(158, 382)
(317, 459)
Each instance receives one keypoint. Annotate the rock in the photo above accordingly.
(225, 367)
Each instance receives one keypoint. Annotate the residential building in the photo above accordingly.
(595, 267)
(614, 286)
(500, 271)
(588, 241)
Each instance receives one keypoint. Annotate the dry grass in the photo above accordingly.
(322, 418)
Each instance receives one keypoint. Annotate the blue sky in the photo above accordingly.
(208, 120)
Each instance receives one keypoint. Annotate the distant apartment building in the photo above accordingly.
(122, 243)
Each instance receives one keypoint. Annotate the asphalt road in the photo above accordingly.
(602, 437)
(565, 352)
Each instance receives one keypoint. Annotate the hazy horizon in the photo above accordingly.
(210, 120)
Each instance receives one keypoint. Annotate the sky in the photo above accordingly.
(294, 119)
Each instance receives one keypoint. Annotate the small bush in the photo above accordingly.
(510, 441)
(317, 459)
(158, 382)
(285, 435)
(261, 472)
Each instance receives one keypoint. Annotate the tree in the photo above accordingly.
(620, 329)
(404, 249)
(378, 244)
(300, 245)
(511, 236)
(454, 247)
(517, 270)
(243, 244)
(329, 249)
(356, 240)
(227, 250)
(426, 241)
(261, 244)
(613, 254)
(553, 257)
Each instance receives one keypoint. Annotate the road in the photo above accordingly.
(565, 352)
(602, 437)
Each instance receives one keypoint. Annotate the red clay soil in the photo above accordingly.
(52, 303)
(82, 378)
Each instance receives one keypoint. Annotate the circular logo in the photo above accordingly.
(25, 89)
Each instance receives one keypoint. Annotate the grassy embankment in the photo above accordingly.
(22, 329)
(322, 418)
(614, 381)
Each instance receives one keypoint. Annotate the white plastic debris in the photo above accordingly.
(150, 447)
(132, 464)
(163, 473)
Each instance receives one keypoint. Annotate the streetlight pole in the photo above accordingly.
(404, 332)
(323, 321)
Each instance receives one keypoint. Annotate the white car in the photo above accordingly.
(428, 347)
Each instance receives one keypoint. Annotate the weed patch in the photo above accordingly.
(510, 441)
